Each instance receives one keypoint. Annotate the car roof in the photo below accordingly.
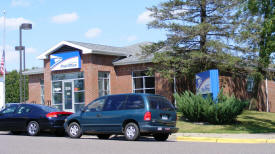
(141, 94)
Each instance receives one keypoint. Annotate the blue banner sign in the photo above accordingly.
(208, 83)
(66, 60)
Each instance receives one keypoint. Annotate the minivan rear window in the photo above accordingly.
(134, 102)
(160, 103)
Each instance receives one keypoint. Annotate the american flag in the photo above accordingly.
(2, 65)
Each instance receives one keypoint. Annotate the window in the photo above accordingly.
(79, 95)
(143, 83)
(96, 105)
(10, 109)
(114, 102)
(66, 76)
(250, 84)
(76, 98)
(42, 92)
(103, 83)
(134, 102)
(160, 103)
(24, 109)
(57, 94)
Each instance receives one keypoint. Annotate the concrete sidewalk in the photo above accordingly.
(225, 138)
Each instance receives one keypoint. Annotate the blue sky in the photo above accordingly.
(107, 22)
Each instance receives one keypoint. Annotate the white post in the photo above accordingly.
(175, 90)
(4, 47)
(266, 91)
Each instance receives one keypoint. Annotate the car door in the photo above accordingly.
(6, 118)
(111, 117)
(90, 115)
(21, 116)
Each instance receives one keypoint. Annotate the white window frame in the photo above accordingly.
(42, 96)
(143, 80)
(249, 81)
(62, 92)
(103, 78)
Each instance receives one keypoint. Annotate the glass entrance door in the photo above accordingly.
(68, 96)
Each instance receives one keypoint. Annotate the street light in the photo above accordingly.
(24, 26)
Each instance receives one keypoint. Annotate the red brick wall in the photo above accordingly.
(34, 88)
(120, 77)
(237, 86)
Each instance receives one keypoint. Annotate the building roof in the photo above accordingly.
(86, 48)
(34, 71)
(130, 54)
(135, 55)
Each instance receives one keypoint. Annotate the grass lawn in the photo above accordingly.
(247, 122)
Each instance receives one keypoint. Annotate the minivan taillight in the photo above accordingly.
(147, 116)
(55, 114)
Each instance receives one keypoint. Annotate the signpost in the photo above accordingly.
(208, 83)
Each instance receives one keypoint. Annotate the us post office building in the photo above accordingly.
(75, 73)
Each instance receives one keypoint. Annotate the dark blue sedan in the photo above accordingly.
(32, 118)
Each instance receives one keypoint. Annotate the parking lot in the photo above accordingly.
(48, 144)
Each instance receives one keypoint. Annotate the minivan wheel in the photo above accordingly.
(74, 130)
(103, 136)
(33, 128)
(161, 137)
(131, 132)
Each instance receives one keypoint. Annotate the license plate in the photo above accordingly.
(164, 117)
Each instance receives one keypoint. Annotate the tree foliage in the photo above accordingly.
(12, 87)
(202, 34)
(264, 11)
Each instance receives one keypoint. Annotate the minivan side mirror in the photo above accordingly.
(82, 109)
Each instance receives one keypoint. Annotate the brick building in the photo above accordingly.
(76, 73)
(101, 70)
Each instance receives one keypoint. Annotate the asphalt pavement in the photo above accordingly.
(49, 144)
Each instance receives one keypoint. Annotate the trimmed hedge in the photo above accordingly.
(196, 108)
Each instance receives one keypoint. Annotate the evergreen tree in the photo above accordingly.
(202, 34)
(264, 12)
(12, 87)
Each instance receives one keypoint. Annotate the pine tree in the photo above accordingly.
(202, 34)
(264, 11)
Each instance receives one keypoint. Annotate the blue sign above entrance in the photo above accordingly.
(208, 83)
(66, 60)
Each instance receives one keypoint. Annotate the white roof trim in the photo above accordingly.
(59, 45)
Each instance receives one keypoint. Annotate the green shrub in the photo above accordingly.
(198, 109)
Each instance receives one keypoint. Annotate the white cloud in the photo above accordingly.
(13, 23)
(131, 38)
(93, 32)
(65, 18)
(12, 54)
(23, 3)
(31, 50)
(145, 17)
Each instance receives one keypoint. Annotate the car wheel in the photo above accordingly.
(131, 132)
(15, 132)
(33, 128)
(74, 130)
(103, 136)
(161, 137)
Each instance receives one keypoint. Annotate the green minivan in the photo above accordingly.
(134, 115)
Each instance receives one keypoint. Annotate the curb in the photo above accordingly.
(223, 140)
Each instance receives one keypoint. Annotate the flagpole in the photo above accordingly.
(4, 48)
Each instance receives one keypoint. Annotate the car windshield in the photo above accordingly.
(160, 103)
